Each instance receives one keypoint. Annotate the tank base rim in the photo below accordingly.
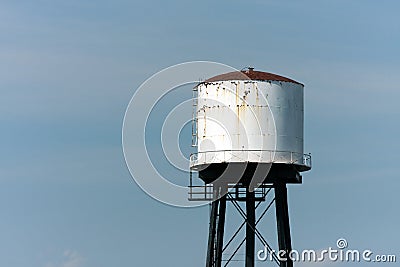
(249, 172)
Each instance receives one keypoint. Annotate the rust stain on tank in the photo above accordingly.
(237, 101)
(238, 111)
(237, 94)
(205, 124)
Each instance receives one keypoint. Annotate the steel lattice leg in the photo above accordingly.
(250, 228)
(282, 219)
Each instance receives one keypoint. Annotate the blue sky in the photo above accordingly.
(69, 68)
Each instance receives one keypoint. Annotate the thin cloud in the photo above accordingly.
(71, 258)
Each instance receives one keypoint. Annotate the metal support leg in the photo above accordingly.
(211, 236)
(250, 228)
(220, 231)
(282, 218)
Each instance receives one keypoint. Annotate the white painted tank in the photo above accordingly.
(249, 116)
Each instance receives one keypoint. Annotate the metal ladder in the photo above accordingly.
(194, 116)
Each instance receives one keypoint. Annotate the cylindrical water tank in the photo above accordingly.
(249, 116)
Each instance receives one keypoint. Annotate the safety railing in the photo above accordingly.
(236, 192)
(265, 156)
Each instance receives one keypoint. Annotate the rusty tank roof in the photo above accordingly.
(249, 74)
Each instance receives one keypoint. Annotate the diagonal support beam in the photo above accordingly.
(257, 233)
(244, 222)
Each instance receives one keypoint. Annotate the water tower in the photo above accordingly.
(248, 130)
